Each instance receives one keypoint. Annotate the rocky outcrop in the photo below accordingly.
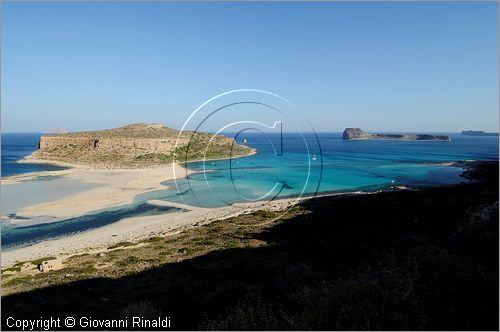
(477, 133)
(136, 145)
(354, 133)
(358, 134)
(107, 145)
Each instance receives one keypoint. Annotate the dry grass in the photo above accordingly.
(127, 258)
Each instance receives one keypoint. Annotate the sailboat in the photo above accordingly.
(244, 140)
(314, 157)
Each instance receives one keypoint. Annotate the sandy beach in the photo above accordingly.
(136, 229)
(119, 187)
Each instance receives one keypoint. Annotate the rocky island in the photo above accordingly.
(134, 146)
(358, 134)
(477, 133)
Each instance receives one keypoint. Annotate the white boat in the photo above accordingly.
(314, 157)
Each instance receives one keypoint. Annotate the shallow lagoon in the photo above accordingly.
(333, 165)
(304, 167)
(42, 189)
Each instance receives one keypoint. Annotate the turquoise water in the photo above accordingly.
(299, 166)
(339, 165)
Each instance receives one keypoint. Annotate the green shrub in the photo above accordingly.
(39, 261)
(122, 244)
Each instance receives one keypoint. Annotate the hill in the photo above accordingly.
(135, 146)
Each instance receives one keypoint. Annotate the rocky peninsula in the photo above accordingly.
(358, 134)
(477, 133)
(134, 146)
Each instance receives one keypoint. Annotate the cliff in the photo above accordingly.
(358, 134)
(477, 133)
(136, 145)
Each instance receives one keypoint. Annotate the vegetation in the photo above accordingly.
(122, 244)
(39, 261)
(418, 260)
(12, 269)
(136, 146)
(202, 146)
(159, 158)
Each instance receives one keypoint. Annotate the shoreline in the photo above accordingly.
(399, 248)
(139, 228)
(28, 160)
(135, 229)
(252, 153)
(117, 187)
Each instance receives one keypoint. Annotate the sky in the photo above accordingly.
(428, 67)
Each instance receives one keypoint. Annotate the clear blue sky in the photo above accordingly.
(378, 66)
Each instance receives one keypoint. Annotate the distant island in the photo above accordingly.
(134, 146)
(477, 133)
(358, 134)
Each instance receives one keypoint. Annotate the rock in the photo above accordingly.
(358, 134)
(69, 275)
(477, 133)
(354, 133)
(130, 146)
(50, 265)
(101, 254)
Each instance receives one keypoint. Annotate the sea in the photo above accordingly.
(285, 165)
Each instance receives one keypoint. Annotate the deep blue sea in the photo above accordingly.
(288, 165)
(14, 147)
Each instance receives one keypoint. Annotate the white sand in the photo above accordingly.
(137, 228)
(119, 187)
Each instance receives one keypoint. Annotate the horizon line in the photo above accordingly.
(285, 132)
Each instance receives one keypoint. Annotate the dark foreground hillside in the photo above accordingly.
(396, 260)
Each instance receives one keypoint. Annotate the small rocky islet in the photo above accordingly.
(359, 134)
